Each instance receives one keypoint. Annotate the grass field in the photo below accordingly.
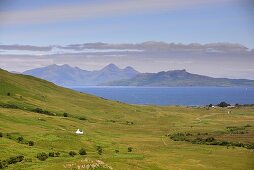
(116, 126)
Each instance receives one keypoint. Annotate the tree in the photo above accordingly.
(210, 105)
(82, 151)
(223, 104)
(65, 114)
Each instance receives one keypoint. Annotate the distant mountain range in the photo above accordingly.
(111, 75)
(66, 75)
(180, 78)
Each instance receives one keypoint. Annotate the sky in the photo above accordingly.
(64, 22)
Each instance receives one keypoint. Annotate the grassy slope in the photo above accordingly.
(152, 149)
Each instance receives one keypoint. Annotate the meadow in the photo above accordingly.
(117, 135)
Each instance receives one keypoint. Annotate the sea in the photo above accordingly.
(186, 96)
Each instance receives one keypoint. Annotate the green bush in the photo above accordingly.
(129, 149)
(15, 159)
(1, 134)
(117, 151)
(72, 153)
(51, 154)
(3, 164)
(39, 110)
(82, 118)
(99, 150)
(30, 143)
(57, 154)
(20, 139)
(8, 94)
(210, 139)
(11, 106)
(42, 156)
(65, 114)
(82, 151)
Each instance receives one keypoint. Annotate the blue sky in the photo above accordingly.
(63, 22)
(212, 21)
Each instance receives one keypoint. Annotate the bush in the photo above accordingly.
(72, 153)
(117, 151)
(57, 154)
(3, 164)
(99, 150)
(210, 139)
(11, 106)
(1, 134)
(82, 151)
(51, 154)
(82, 118)
(129, 149)
(65, 114)
(30, 143)
(210, 105)
(39, 110)
(42, 156)
(20, 139)
(8, 94)
(15, 159)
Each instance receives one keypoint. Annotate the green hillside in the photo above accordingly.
(116, 135)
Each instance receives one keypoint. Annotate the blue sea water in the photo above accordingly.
(188, 96)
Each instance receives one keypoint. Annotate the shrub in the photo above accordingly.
(1, 134)
(210, 105)
(42, 156)
(15, 159)
(99, 150)
(72, 153)
(11, 106)
(57, 154)
(51, 154)
(117, 151)
(20, 139)
(129, 149)
(65, 114)
(39, 110)
(30, 143)
(82, 151)
(3, 164)
(8, 94)
(210, 139)
(82, 118)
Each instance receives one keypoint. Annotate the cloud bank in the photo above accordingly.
(215, 59)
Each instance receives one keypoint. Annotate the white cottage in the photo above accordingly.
(79, 132)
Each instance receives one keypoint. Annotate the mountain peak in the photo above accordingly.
(130, 69)
(111, 67)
